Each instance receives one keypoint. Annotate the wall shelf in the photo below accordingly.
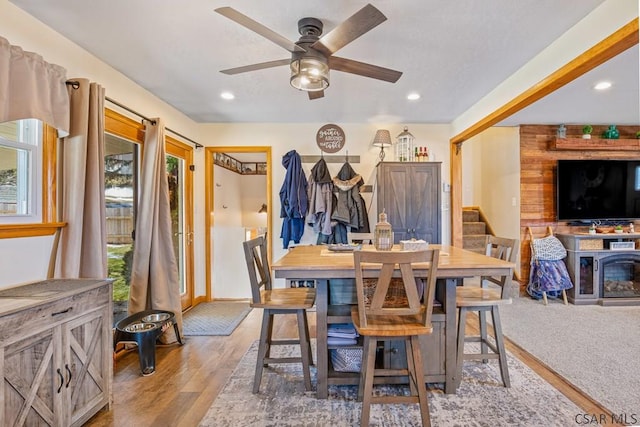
(622, 144)
(242, 168)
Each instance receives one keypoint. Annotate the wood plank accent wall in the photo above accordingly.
(538, 176)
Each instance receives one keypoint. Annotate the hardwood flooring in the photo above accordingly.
(188, 378)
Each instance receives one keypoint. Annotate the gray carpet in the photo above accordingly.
(595, 348)
(481, 400)
(214, 318)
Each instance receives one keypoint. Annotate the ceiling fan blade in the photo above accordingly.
(363, 69)
(359, 23)
(254, 67)
(257, 27)
(316, 94)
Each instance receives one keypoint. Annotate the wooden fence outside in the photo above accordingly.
(119, 225)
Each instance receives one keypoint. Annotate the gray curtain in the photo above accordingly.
(154, 276)
(82, 251)
(32, 88)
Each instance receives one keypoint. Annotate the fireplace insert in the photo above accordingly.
(620, 276)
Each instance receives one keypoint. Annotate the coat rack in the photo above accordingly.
(336, 159)
(330, 158)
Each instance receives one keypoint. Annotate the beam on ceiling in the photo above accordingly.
(621, 40)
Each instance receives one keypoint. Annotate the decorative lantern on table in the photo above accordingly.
(404, 149)
(383, 234)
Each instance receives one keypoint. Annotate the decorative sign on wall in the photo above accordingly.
(330, 138)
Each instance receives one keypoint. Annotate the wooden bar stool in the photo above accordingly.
(277, 301)
(483, 300)
(375, 321)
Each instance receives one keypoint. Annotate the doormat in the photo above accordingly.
(214, 318)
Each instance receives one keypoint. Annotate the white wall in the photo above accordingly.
(26, 259)
(254, 194)
(492, 178)
(236, 201)
(301, 137)
(229, 272)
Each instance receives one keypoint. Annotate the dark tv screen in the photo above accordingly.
(590, 190)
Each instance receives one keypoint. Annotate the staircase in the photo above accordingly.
(474, 230)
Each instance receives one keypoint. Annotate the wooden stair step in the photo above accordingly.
(474, 242)
(470, 216)
(474, 228)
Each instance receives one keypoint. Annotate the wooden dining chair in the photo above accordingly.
(277, 301)
(481, 299)
(376, 321)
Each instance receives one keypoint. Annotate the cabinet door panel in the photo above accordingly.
(87, 363)
(394, 199)
(31, 383)
(425, 203)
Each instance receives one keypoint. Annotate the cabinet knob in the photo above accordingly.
(394, 350)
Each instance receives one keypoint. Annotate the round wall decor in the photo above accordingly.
(330, 138)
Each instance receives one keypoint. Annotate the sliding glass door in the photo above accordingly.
(179, 159)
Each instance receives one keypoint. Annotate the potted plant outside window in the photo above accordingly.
(586, 131)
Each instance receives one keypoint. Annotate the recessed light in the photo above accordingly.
(227, 95)
(413, 96)
(602, 85)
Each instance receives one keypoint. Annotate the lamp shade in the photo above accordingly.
(310, 74)
(382, 138)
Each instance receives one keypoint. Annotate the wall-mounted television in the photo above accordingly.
(598, 190)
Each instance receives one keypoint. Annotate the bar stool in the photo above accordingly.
(277, 301)
(377, 322)
(483, 300)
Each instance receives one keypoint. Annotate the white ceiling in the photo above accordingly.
(451, 52)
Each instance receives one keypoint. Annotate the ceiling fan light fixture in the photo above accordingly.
(309, 74)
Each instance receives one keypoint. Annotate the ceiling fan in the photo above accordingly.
(312, 56)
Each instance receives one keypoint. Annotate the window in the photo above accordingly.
(20, 166)
(27, 179)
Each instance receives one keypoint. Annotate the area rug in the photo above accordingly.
(595, 348)
(481, 400)
(214, 318)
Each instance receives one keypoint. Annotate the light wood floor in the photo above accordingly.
(188, 378)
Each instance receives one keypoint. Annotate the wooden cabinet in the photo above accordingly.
(433, 346)
(410, 195)
(55, 352)
(604, 268)
(391, 354)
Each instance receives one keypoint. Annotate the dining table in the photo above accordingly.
(318, 265)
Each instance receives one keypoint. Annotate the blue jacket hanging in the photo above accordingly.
(293, 199)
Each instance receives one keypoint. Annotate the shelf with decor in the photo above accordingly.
(577, 143)
(242, 168)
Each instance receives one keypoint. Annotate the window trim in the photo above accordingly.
(48, 224)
